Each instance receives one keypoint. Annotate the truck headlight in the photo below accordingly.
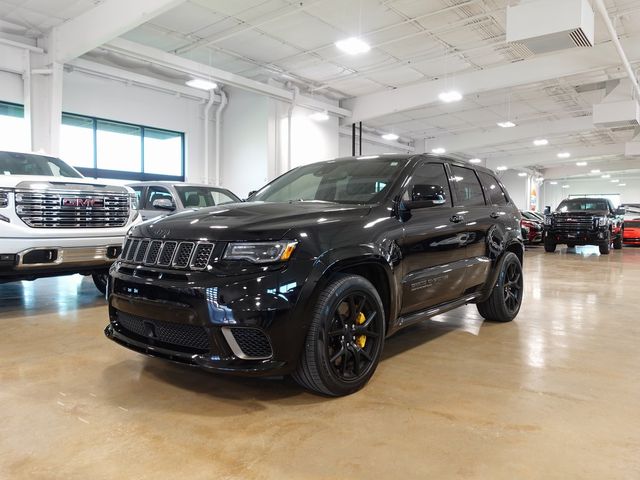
(260, 252)
(600, 221)
(4, 197)
(133, 201)
(547, 220)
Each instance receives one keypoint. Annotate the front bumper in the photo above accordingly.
(247, 325)
(577, 237)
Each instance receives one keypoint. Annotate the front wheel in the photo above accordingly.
(617, 243)
(605, 245)
(504, 303)
(100, 280)
(345, 339)
(549, 245)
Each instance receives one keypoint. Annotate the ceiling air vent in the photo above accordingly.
(550, 25)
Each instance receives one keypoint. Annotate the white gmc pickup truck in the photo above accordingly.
(53, 221)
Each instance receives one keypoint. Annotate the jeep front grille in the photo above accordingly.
(71, 209)
(168, 254)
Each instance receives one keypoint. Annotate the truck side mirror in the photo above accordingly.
(620, 211)
(163, 204)
(547, 210)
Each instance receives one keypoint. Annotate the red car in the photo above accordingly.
(631, 234)
(535, 228)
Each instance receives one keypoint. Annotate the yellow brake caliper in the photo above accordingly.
(361, 340)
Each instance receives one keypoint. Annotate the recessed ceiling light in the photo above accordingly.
(319, 116)
(353, 46)
(390, 136)
(540, 142)
(581, 164)
(615, 181)
(565, 186)
(522, 174)
(606, 175)
(564, 155)
(475, 160)
(622, 184)
(507, 124)
(202, 84)
(438, 150)
(595, 171)
(450, 96)
(553, 183)
(502, 168)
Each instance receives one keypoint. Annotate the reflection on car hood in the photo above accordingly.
(248, 221)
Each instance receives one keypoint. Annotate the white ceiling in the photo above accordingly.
(412, 41)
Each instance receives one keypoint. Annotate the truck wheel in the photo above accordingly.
(617, 243)
(100, 280)
(549, 245)
(604, 246)
(571, 245)
(345, 339)
(504, 303)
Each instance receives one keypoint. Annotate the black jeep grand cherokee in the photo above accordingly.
(312, 273)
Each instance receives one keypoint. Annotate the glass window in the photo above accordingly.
(199, 197)
(467, 186)
(431, 174)
(138, 192)
(119, 146)
(162, 152)
(157, 193)
(492, 189)
(76, 140)
(13, 128)
(581, 204)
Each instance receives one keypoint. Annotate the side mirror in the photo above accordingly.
(251, 194)
(423, 196)
(547, 210)
(163, 204)
(621, 211)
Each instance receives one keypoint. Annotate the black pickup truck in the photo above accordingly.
(584, 221)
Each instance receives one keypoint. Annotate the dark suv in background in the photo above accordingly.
(311, 274)
(585, 221)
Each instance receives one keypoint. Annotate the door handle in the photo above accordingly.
(456, 219)
(494, 215)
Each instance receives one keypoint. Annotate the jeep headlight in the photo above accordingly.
(260, 252)
(4, 197)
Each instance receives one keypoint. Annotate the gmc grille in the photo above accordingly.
(168, 254)
(574, 223)
(69, 209)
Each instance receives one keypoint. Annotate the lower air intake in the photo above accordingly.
(248, 343)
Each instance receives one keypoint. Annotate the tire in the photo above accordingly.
(333, 364)
(506, 298)
(100, 280)
(605, 246)
(549, 245)
(571, 245)
(617, 243)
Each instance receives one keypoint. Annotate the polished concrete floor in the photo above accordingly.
(555, 394)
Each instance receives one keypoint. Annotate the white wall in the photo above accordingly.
(554, 194)
(11, 87)
(519, 188)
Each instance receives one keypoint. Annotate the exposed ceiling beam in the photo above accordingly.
(469, 142)
(536, 69)
(549, 156)
(104, 22)
(169, 60)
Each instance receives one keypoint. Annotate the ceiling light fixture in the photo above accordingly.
(202, 84)
(522, 174)
(606, 175)
(581, 164)
(540, 142)
(622, 184)
(507, 124)
(615, 181)
(475, 160)
(502, 168)
(438, 150)
(450, 96)
(553, 183)
(390, 136)
(353, 46)
(564, 155)
(319, 116)
(595, 171)
(565, 186)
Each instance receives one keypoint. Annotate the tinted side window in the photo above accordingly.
(430, 174)
(492, 189)
(156, 193)
(467, 186)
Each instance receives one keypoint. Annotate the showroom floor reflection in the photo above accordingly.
(453, 397)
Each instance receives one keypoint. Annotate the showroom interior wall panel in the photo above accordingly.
(553, 194)
(518, 187)
(116, 100)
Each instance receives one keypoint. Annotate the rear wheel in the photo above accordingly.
(100, 280)
(345, 339)
(549, 245)
(504, 303)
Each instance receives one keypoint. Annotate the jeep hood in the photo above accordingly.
(249, 221)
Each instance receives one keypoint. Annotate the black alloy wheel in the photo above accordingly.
(506, 298)
(513, 287)
(345, 338)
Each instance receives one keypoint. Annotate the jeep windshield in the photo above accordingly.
(583, 204)
(14, 163)
(344, 181)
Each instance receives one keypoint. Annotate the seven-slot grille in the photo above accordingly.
(71, 209)
(182, 255)
(575, 223)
